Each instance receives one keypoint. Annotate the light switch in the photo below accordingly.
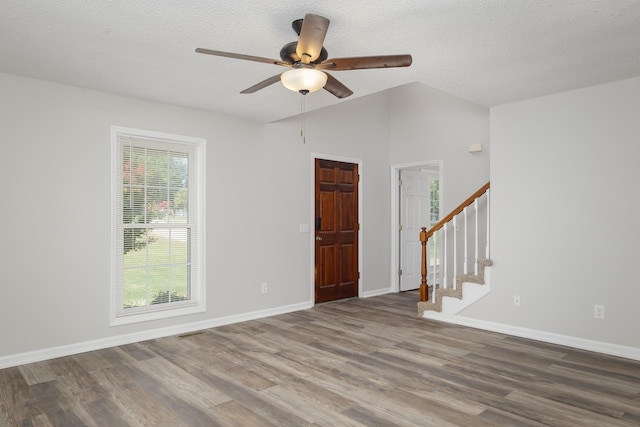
(304, 228)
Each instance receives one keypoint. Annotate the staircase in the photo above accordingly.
(446, 249)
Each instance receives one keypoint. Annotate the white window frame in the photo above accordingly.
(197, 301)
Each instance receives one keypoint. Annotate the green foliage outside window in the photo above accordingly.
(434, 190)
(154, 188)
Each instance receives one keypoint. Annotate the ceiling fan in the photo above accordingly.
(307, 59)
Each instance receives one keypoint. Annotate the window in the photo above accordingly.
(435, 244)
(158, 225)
(434, 201)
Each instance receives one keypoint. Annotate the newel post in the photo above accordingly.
(424, 288)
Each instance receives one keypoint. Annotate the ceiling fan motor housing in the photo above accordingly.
(288, 54)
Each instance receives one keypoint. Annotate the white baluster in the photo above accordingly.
(444, 253)
(475, 258)
(465, 269)
(434, 295)
(455, 252)
(488, 222)
(440, 255)
(435, 257)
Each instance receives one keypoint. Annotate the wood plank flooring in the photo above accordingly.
(357, 362)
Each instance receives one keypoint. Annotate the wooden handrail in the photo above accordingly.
(457, 210)
(424, 236)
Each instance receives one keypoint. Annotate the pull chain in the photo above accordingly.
(302, 122)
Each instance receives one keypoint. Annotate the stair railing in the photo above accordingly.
(439, 232)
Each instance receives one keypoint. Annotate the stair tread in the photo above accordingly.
(458, 291)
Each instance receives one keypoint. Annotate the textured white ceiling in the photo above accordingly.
(486, 51)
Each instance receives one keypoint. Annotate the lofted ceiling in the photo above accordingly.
(486, 51)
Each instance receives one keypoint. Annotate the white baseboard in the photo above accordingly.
(68, 350)
(550, 337)
(376, 293)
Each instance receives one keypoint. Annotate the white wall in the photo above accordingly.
(56, 201)
(355, 130)
(564, 176)
(56, 207)
(428, 124)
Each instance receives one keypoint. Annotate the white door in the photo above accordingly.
(414, 214)
(419, 205)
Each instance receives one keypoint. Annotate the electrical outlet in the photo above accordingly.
(598, 311)
(516, 300)
(265, 288)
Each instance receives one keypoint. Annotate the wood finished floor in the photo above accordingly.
(355, 362)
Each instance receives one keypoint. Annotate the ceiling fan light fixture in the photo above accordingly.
(303, 80)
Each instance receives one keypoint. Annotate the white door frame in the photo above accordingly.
(395, 209)
(312, 222)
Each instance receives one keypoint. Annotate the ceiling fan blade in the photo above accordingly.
(240, 56)
(267, 82)
(336, 88)
(314, 29)
(365, 62)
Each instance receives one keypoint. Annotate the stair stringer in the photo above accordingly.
(470, 288)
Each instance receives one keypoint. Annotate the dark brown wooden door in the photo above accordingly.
(336, 230)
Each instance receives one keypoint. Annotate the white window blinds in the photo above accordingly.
(157, 215)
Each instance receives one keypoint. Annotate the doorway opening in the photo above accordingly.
(417, 197)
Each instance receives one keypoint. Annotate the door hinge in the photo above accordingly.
(358, 274)
(399, 183)
(399, 227)
(358, 226)
(399, 272)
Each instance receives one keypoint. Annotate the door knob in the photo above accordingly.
(318, 238)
